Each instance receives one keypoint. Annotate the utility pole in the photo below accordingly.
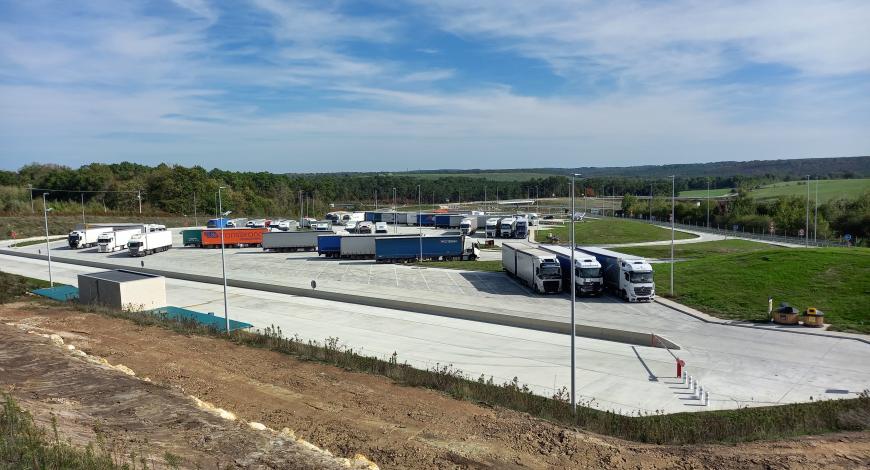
(484, 198)
(84, 224)
(45, 211)
(195, 220)
(816, 216)
(300, 210)
(376, 199)
(30, 186)
(650, 201)
(395, 213)
(708, 202)
(673, 219)
(223, 222)
(573, 327)
(139, 197)
(807, 226)
(420, 219)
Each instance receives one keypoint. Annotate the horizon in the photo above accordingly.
(373, 86)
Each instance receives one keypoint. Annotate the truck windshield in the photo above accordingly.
(638, 278)
(590, 272)
(550, 271)
(135, 244)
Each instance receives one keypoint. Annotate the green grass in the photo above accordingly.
(744, 424)
(487, 265)
(695, 250)
(611, 231)
(35, 242)
(736, 286)
(13, 286)
(717, 192)
(828, 189)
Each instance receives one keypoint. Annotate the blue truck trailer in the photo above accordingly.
(435, 248)
(424, 219)
(218, 223)
(329, 245)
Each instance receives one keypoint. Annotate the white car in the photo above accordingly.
(350, 226)
(380, 227)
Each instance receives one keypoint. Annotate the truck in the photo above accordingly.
(507, 227)
(233, 237)
(492, 227)
(329, 245)
(424, 219)
(218, 223)
(191, 237)
(587, 270)
(358, 246)
(85, 238)
(629, 277)
(108, 242)
(468, 226)
(290, 241)
(404, 248)
(143, 244)
(522, 228)
(538, 269)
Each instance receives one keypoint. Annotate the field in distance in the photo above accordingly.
(610, 231)
(494, 176)
(828, 190)
(695, 250)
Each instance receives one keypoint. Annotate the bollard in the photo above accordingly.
(700, 393)
(706, 398)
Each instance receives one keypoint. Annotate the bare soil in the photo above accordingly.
(394, 426)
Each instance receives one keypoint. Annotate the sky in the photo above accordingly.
(388, 85)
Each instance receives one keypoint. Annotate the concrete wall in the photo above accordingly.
(143, 294)
(98, 291)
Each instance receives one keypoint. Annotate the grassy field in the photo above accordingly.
(597, 231)
(488, 265)
(36, 242)
(34, 225)
(703, 192)
(736, 286)
(828, 189)
(695, 250)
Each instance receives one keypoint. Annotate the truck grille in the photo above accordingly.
(642, 290)
(551, 286)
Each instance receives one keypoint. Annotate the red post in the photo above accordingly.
(680, 364)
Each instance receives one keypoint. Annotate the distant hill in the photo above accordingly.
(839, 167)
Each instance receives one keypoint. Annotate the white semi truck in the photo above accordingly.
(116, 240)
(629, 277)
(492, 227)
(507, 227)
(85, 238)
(538, 269)
(468, 226)
(588, 278)
(142, 244)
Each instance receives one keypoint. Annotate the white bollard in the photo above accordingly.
(700, 393)
(706, 398)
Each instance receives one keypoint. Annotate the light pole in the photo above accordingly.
(650, 201)
(573, 332)
(84, 224)
(395, 213)
(223, 222)
(30, 187)
(807, 226)
(195, 219)
(139, 197)
(45, 211)
(673, 219)
(816, 216)
(708, 202)
(420, 219)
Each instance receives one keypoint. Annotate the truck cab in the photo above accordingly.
(106, 242)
(636, 280)
(507, 227)
(136, 245)
(587, 275)
(522, 228)
(548, 274)
(468, 226)
(492, 227)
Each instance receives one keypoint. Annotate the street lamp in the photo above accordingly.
(420, 219)
(673, 219)
(45, 211)
(573, 301)
(223, 222)
(807, 226)
(708, 202)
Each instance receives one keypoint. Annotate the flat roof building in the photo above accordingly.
(123, 289)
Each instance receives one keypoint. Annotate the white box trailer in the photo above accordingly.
(143, 244)
(468, 226)
(492, 225)
(629, 277)
(536, 268)
(290, 241)
(358, 246)
(116, 240)
(85, 238)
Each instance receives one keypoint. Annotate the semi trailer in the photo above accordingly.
(233, 237)
(492, 225)
(108, 242)
(629, 277)
(468, 226)
(405, 248)
(329, 245)
(290, 241)
(85, 238)
(191, 237)
(522, 228)
(538, 269)
(587, 270)
(143, 244)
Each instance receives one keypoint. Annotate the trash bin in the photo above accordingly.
(786, 315)
(814, 318)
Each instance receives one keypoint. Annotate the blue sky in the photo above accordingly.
(288, 86)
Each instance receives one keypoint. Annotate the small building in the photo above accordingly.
(123, 289)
